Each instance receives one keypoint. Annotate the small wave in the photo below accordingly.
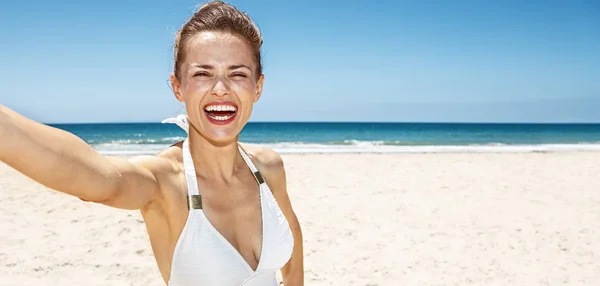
(373, 143)
(382, 148)
(357, 147)
(129, 149)
(165, 140)
(176, 138)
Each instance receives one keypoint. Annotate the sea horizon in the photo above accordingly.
(354, 137)
(333, 121)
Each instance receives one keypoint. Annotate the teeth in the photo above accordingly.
(221, 118)
(220, 108)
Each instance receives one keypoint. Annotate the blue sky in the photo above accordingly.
(441, 61)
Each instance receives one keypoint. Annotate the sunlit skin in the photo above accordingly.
(217, 67)
(220, 67)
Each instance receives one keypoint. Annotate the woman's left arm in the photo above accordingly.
(275, 176)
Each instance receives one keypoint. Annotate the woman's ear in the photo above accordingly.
(175, 86)
(259, 87)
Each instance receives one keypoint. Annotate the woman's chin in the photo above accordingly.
(221, 135)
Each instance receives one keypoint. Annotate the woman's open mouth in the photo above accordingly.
(220, 113)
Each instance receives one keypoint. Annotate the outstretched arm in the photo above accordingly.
(64, 162)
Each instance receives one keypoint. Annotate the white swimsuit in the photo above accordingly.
(203, 257)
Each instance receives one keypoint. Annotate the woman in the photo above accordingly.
(217, 212)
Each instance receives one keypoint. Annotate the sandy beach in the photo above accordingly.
(368, 219)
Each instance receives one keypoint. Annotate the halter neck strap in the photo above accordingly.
(180, 120)
(194, 197)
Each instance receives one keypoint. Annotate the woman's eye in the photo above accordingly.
(239, 75)
(201, 74)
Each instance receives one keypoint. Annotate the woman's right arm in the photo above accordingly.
(64, 162)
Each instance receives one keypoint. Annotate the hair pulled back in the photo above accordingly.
(217, 16)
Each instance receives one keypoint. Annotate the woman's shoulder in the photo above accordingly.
(270, 165)
(167, 161)
(265, 159)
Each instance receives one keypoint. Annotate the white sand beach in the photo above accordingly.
(368, 219)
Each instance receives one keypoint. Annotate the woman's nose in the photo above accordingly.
(220, 88)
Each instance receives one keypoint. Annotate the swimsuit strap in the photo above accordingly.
(180, 120)
(194, 198)
(255, 172)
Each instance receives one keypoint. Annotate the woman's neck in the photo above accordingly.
(217, 162)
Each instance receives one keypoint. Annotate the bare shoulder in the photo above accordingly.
(163, 163)
(267, 160)
(163, 168)
(270, 165)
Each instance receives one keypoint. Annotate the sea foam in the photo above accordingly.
(363, 147)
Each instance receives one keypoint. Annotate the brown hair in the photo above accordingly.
(217, 16)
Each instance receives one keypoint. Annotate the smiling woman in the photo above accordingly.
(222, 63)
(217, 211)
(222, 113)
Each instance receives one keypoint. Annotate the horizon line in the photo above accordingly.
(342, 122)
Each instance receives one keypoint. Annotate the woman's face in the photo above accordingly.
(218, 84)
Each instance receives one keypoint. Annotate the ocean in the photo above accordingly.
(149, 138)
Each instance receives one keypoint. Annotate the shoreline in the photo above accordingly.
(317, 149)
